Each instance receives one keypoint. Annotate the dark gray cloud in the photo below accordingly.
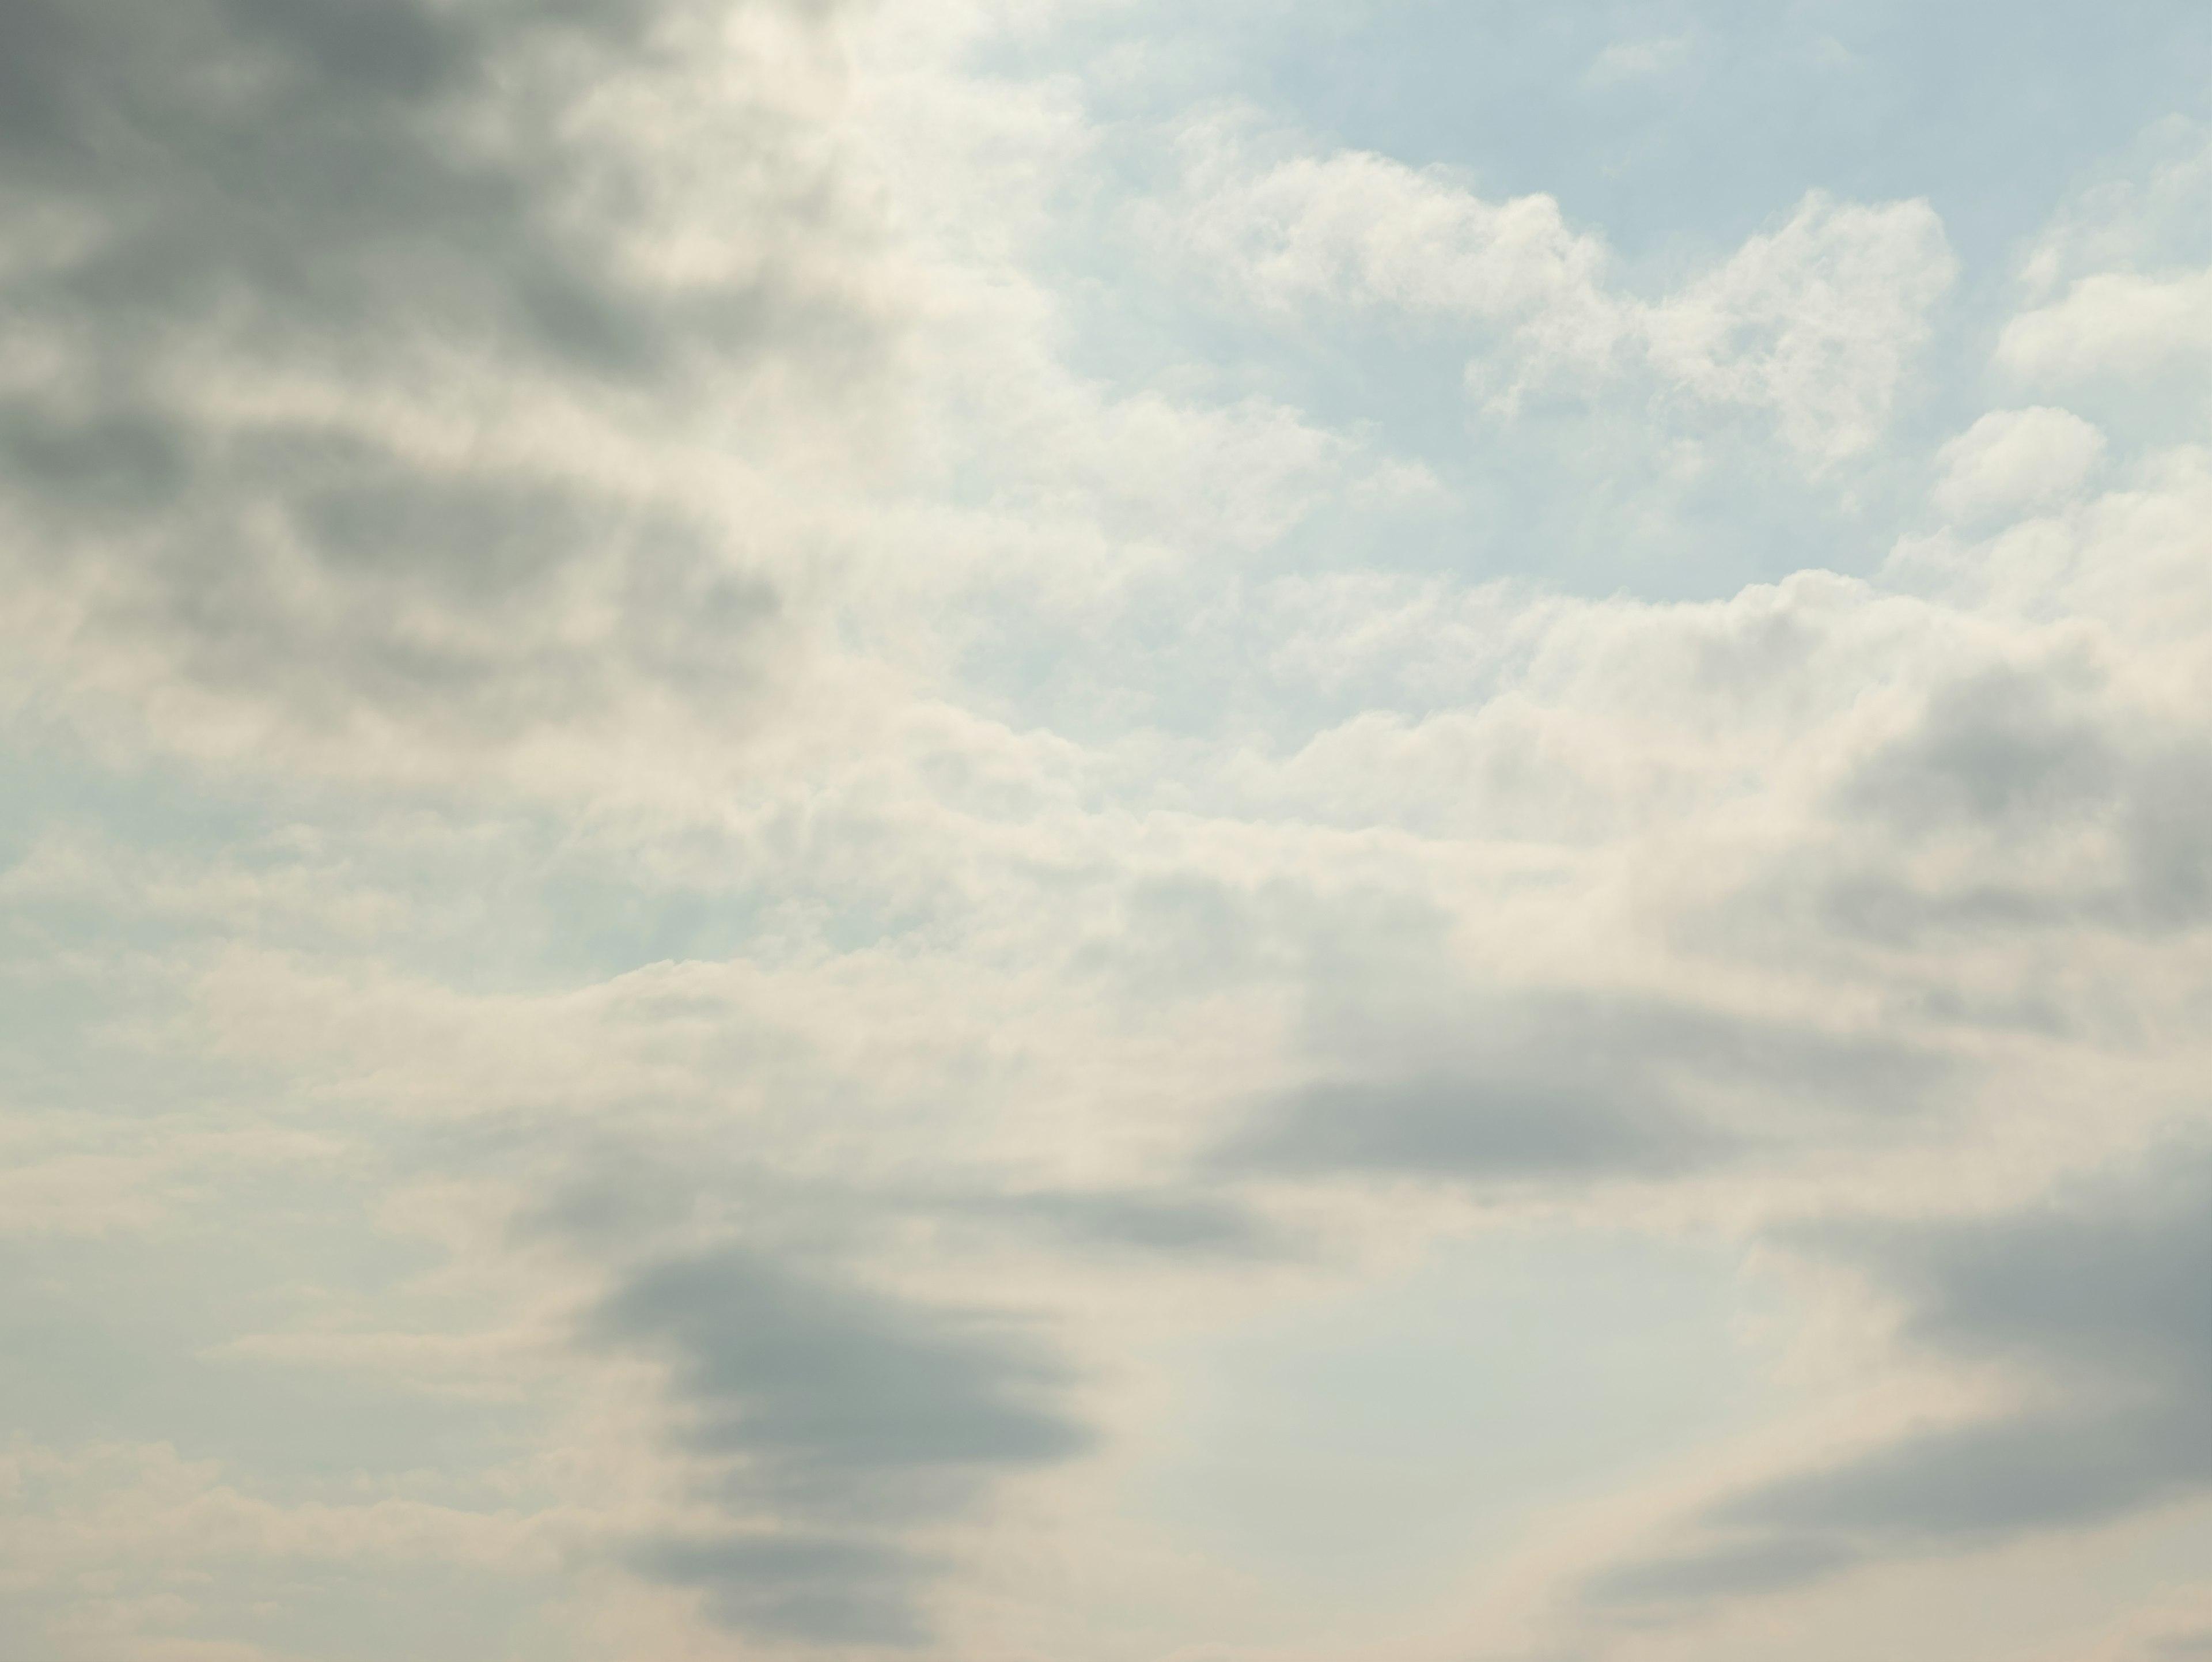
(2098, 1304)
(831, 1396)
(1568, 1087)
(381, 198)
(840, 1414)
(298, 168)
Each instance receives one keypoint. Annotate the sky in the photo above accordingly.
(1074, 831)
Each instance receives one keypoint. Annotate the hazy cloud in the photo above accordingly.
(1582, 1088)
(822, 1590)
(2094, 1306)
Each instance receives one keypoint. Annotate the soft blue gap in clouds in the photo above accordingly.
(1364, 1449)
(1708, 117)
(1674, 131)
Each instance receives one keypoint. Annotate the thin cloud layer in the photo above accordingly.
(1571, 1087)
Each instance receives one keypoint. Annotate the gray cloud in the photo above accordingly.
(2018, 764)
(2003, 746)
(2100, 1303)
(302, 160)
(2168, 829)
(845, 1415)
(1564, 1088)
(441, 598)
(816, 1588)
(1474, 1124)
(1152, 1223)
(623, 1192)
(385, 198)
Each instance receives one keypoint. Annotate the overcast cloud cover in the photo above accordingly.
(1032, 831)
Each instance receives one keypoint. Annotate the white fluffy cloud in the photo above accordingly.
(2112, 323)
(1816, 322)
(2012, 459)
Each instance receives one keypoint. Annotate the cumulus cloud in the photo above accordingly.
(2016, 458)
(2113, 290)
(2117, 323)
(1816, 322)
(1363, 229)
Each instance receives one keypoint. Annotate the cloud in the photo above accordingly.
(185, 1558)
(2115, 289)
(353, 354)
(1131, 1221)
(2007, 746)
(258, 171)
(822, 1591)
(2030, 795)
(1472, 1129)
(1628, 63)
(853, 1413)
(1815, 321)
(829, 1394)
(1363, 229)
(2092, 1305)
(1072, 773)
(2012, 459)
(2114, 323)
(1577, 1088)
